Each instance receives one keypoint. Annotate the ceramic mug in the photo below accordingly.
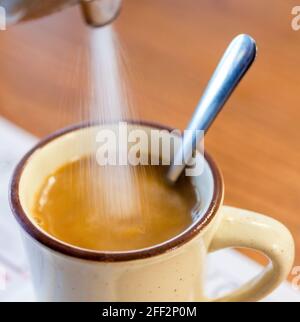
(171, 271)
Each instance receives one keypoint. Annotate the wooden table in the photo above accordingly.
(172, 47)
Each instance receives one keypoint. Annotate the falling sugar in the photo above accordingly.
(110, 103)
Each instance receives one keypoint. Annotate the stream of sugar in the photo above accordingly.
(111, 102)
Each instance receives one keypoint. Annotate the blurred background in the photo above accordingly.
(171, 48)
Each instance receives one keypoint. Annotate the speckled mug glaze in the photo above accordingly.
(171, 271)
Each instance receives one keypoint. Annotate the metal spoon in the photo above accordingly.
(234, 64)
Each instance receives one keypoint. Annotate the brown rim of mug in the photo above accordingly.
(113, 256)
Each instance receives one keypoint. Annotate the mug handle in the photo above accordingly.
(247, 229)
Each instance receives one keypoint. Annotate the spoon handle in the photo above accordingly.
(235, 62)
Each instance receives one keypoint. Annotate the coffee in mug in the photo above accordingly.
(100, 208)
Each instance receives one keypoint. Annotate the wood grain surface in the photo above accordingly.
(171, 47)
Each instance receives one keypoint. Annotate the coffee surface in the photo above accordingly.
(92, 206)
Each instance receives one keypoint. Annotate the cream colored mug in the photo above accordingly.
(171, 271)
